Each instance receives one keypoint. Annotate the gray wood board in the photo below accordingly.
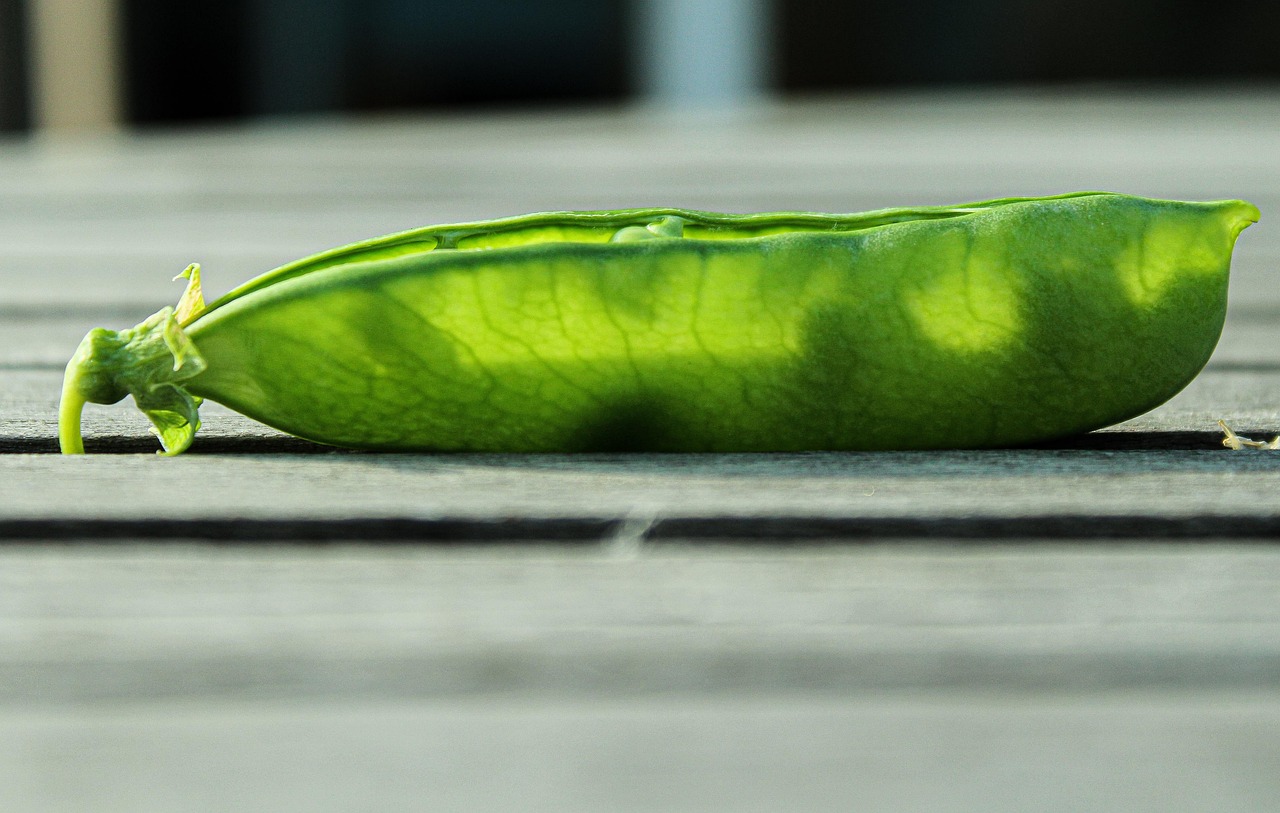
(138, 623)
(1053, 493)
(644, 677)
(1175, 753)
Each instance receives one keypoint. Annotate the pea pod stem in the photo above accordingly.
(152, 362)
(70, 410)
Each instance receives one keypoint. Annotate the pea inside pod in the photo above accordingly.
(997, 323)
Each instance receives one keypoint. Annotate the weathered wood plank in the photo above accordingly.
(1176, 753)
(420, 497)
(133, 623)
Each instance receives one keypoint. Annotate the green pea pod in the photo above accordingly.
(988, 324)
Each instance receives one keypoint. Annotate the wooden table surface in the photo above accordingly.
(266, 625)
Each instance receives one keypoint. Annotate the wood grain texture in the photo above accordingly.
(641, 678)
(184, 621)
(1058, 754)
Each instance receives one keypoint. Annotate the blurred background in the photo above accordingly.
(92, 63)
